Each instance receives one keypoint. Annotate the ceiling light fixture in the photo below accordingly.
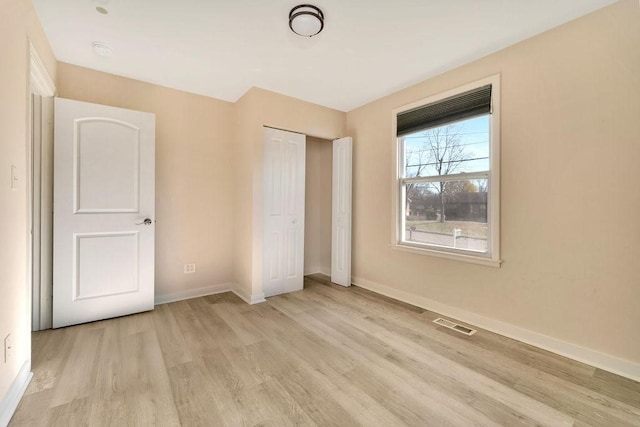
(101, 49)
(306, 20)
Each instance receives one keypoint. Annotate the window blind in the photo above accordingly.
(466, 105)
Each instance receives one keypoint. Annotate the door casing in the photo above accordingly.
(40, 194)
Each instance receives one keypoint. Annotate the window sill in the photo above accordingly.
(487, 262)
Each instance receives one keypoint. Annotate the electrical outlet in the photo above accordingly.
(8, 348)
(190, 268)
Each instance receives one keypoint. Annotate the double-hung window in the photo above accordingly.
(446, 192)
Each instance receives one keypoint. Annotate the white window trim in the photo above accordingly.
(493, 258)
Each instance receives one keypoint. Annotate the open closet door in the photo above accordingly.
(341, 212)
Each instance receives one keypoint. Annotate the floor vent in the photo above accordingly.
(452, 325)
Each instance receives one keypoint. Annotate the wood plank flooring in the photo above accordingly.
(324, 356)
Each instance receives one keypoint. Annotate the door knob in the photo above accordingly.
(147, 221)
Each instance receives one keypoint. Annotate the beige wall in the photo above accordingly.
(256, 108)
(194, 187)
(18, 25)
(317, 226)
(570, 148)
(570, 144)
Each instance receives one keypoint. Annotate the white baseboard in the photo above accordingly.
(591, 357)
(9, 403)
(193, 293)
(316, 270)
(325, 271)
(249, 299)
(257, 298)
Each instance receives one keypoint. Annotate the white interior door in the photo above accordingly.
(104, 191)
(341, 212)
(283, 204)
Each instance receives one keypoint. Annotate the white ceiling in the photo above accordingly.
(221, 48)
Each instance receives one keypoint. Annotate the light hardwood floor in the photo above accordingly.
(326, 355)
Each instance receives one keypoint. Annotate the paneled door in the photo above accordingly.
(283, 208)
(104, 197)
(341, 212)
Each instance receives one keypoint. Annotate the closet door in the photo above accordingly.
(283, 204)
(341, 212)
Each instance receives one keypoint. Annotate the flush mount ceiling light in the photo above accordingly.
(306, 20)
(101, 49)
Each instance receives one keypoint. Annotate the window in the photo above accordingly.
(446, 191)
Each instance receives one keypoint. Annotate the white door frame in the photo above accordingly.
(39, 190)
